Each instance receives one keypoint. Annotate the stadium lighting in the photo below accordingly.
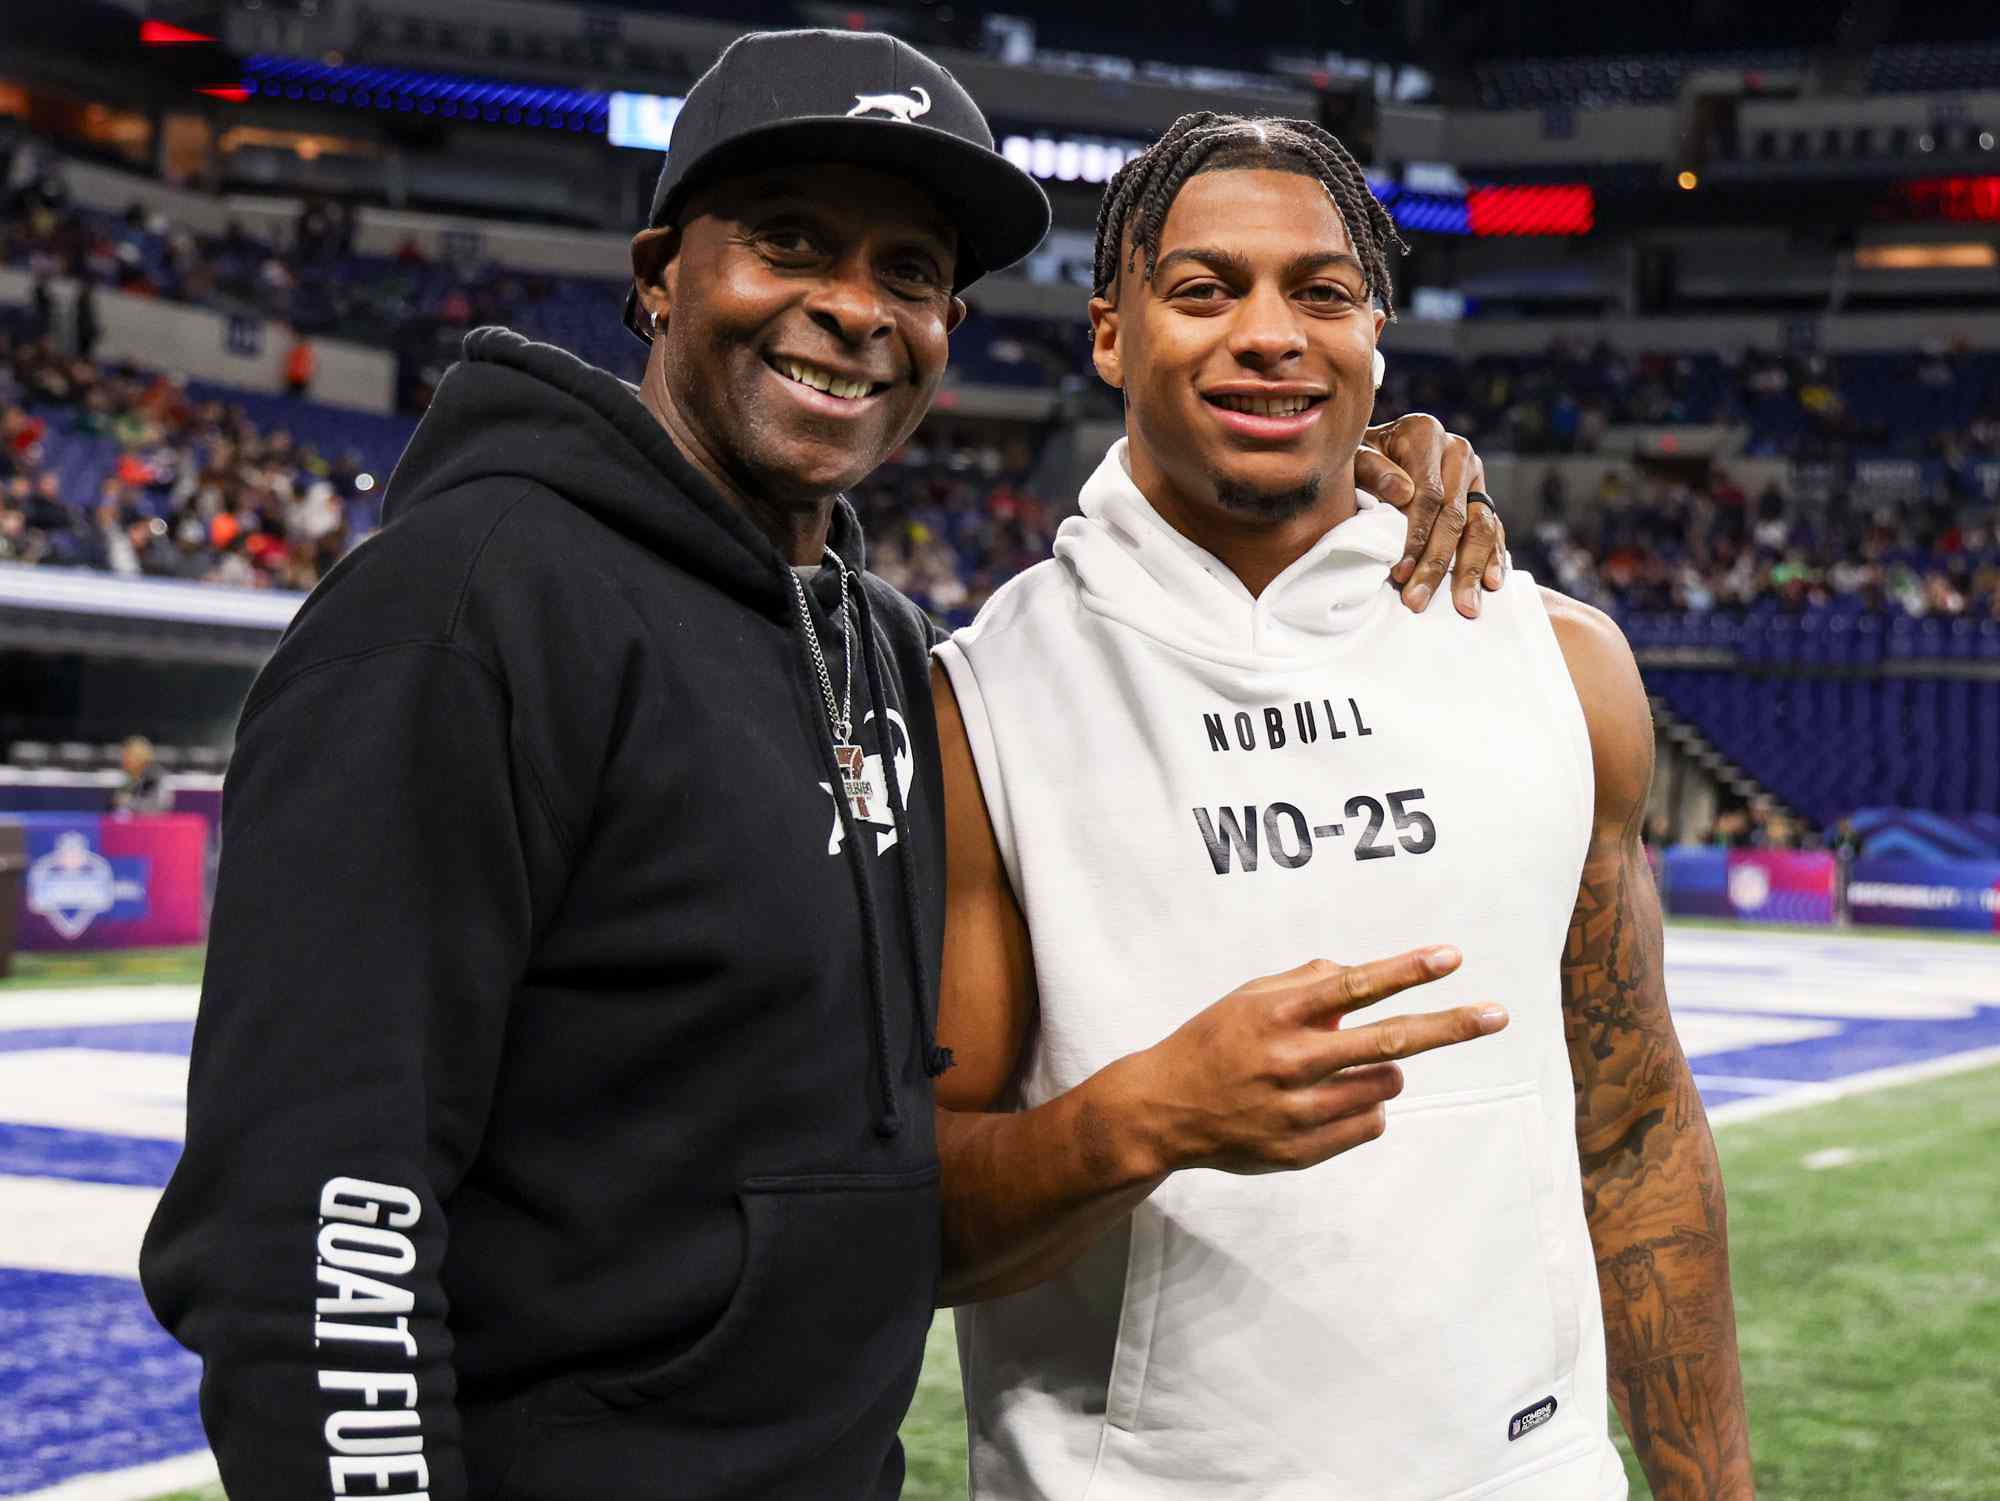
(1532, 209)
(1975, 199)
(1688, 181)
(1962, 255)
(644, 122)
(1068, 158)
(161, 34)
(364, 483)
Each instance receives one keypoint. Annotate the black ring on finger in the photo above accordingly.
(1481, 498)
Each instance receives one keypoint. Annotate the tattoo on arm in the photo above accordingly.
(1652, 1189)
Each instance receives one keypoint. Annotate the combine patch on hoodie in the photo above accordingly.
(1528, 1419)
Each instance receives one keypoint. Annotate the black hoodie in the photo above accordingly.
(559, 1124)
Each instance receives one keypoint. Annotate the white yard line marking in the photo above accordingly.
(1737, 1111)
(1826, 1157)
(1725, 1031)
(1901, 977)
(92, 1229)
(91, 1089)
(184, 1472)
(97, 1005)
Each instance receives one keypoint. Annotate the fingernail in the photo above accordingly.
(1442, 959)
(1401, 572)
(1492, 1018)
(1419, 596)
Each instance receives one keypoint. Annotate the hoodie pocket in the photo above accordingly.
(839, 1278)
(1368, 1327)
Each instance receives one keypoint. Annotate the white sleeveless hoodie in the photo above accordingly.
(1192, 787)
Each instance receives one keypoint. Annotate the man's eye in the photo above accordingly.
(1327, 292)
(789, 242)
(916, 270)
(1201, 291)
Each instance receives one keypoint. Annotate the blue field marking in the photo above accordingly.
(174, 1039)
(88, 1381)
(85, 1156)
(1862, 1045)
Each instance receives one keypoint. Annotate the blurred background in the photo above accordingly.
(1714, 288)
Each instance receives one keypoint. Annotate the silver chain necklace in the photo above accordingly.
(840, 715)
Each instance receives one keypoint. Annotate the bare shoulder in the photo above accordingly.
(1608, 686)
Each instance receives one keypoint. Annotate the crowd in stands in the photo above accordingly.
(316, 284)
(951, 517)
(1752, 824)
(1660, 544)
(119, 470)
(129, 473)
(1933, 405)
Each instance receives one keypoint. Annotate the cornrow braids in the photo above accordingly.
(1142, 192)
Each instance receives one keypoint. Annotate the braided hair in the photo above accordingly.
(1139, 196)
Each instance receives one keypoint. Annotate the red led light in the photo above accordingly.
(234, 93)
(1554, 209)
(161, 34)
(1975, 199)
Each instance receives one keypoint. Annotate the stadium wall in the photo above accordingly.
(248, 353)
(111, 191)
(522, 247)
(1527, 137)
(377, 231)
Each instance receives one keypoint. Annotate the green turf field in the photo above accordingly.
(174, 966)
(1868, 1298)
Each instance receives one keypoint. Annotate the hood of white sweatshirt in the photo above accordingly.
(1131, 565)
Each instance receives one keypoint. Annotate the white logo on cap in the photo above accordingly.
(902, 107)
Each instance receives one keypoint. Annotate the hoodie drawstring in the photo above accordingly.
(889, 1119)
(936, 1059)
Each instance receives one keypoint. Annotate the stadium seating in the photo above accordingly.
(1832, 650)
(1650, 79)
(1827, 743)
(1923, 68)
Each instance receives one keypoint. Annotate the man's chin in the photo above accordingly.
(811, 466)
(1271, 500)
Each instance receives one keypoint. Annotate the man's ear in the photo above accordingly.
(1104, 351)
(655, 261)
(955, 314)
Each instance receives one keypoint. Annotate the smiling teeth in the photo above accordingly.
(1264, 406)
(826, 380)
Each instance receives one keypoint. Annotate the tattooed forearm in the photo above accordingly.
(1652, 1190)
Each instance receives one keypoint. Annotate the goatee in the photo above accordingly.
(1267, 505)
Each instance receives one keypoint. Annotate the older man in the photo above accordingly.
(561, 1112)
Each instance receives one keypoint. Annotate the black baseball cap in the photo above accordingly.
(861, 98)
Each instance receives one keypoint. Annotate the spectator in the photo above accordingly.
(144, 789)
(88, 329)
(301, 364)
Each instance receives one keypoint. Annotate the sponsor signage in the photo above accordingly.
(99, 882)
(1778, 886)
(1906, 893)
